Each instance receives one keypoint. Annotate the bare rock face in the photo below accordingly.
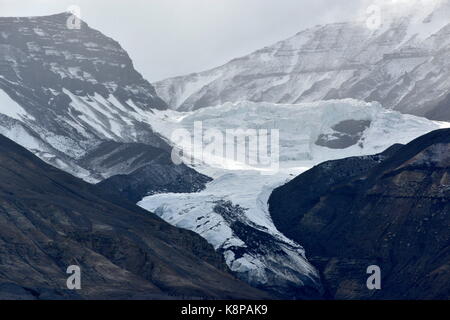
(73, 97)
(50, 220)
(43, 56)
(156, 171)
(64, 91)
(395, 64)
(390, 210)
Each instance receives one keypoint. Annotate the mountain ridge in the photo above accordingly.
(50, 220)
(389, 210)
(395, 64)
(67, 90)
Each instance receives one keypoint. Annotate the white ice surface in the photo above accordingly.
(299, 125)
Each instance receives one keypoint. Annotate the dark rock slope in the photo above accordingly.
(156, 171)
(50, 220)
(390, 210)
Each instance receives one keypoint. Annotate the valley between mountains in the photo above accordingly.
(361, 177)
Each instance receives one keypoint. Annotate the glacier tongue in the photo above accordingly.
(232, 214)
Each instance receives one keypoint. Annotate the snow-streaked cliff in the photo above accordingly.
(64, 91)
(402, 63)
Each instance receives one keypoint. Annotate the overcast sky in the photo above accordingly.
(173, 37)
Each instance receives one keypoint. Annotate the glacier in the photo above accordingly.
(239, 194)
(68, 114)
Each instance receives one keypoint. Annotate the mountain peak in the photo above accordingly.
(384, 60)
(72, 88)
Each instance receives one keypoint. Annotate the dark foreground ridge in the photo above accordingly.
(50, 220)
(391, 210)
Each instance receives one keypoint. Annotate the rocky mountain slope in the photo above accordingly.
(50, 220)
(156, 172)
(94, 116)
(403, 64)
(390, 210)
(64, 92)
